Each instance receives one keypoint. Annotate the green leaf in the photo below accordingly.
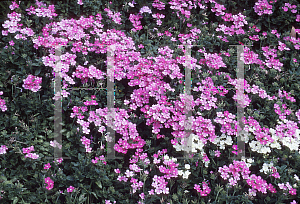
(15, 200)
(70, 178)
(95, 195)
(99, 184)
(82, 198)
(38, 71)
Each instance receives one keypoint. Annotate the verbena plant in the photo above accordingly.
(150, 64)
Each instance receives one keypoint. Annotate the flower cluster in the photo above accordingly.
(14, 5)
(249, 57)
(2, 103)
(238, 23)
(160, 185)
(234, 169)
(271, 62)
(42, 10)
(288, 6)
(160, 113)
(288, 187)
(3, 149)
(236, 148)
(226, 120)
(115, 16)
(267, 168)
(192, 143)
(256, 182)
(206, 100)
(220, 141)
(206, 190)
(49, 182)
(135, 20)
(59, 160)
(263, 7)
(54, 143)
(158, 4)
(286, 95)
(282, 46)
(86, 143)
(185, 174)
(13, 26)
(214, 61)
(32, 83)
(95, 161)
(145, 9)
(159, 17)
(259, 184)
(298, 115)
(288, 133)
(85, 73)
(218, 9)
(28, 154)
(183, 6)
(285, 112)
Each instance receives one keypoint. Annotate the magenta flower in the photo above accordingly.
(47, 166)
(11, 43)
(70, 189)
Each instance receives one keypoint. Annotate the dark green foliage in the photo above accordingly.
(29, 117)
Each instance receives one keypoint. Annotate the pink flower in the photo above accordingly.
(293, 191)
(49, 182)
(158, 4)
(32, 83)
(11, 43)
(217, 153)
(47, 166)
(263, 7)
(3, 149)
(70, 189)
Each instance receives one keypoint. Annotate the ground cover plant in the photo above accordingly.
(149, 39)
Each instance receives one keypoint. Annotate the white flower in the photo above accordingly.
(296, 177)
(228, 140)
(272, 131)
(145, 9)
(180, 172)
(166, 157)
(187, 166)
(186, 174)
(129, 173)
